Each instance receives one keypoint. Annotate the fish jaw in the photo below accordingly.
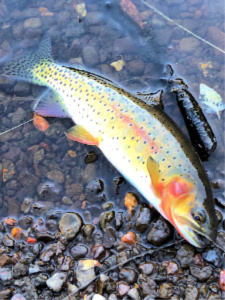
(180, 214)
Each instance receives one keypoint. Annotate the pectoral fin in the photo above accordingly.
(153, 169)
(79, 134)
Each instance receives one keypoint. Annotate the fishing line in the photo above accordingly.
(180, 26)
(1, 133)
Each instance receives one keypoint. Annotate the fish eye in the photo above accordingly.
(199, 216)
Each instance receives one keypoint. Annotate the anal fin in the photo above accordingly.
(79, 134)
(51, 104)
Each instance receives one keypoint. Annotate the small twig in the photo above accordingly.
(149, 251)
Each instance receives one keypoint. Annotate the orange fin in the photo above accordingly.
(153, 169)
(79, 134)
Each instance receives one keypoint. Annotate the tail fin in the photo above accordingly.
(23, 67)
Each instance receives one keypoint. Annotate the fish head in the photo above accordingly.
(191, 211)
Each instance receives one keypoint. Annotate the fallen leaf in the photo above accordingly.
(11, 222)
(205, 66)
(80, 10)
(83, 205)
(129, 238)
(118, 65)
(31, 240)
(87, 264)
(16, 233)
(72, 153)
(130, 201)
(44, 12)
(130, 9)
(40, 123)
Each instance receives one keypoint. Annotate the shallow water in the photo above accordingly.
(106, 35)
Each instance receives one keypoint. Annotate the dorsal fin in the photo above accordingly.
(151, 98)
(93, 75)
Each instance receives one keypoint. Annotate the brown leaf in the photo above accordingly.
(87, 264)
(11, 222)
(130, 9)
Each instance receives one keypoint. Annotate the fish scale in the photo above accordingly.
(140, 140)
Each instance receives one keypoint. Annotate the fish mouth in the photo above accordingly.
(194, 234)
(198, 239)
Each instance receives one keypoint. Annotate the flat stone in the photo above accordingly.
(32, 23)
(188, 45)
(70, 225)
(57, 281)
(201, 273)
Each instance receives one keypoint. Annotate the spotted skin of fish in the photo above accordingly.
(141, 141)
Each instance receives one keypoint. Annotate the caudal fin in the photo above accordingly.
(25, 66)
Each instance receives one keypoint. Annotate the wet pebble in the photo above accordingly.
(213, 256)
(95, 187)
(90, 56)
(88, 230)
(143, 219)
(191, 292)
(109, 238)
(136, 67)
(8, 241)
(26, 205)
(148, 286)
(159, 233)
(40, 280)
(32, 23)
(70, 225)
(201, 273)
(122, 289)
(128, 275)
(119, 221)
(6, 276)
(147, 268)
(106, 218)
(185, 255)
(165, 290)
(78, 251)
(65, 263)
(6, 293)
(188, 45)
(91, 157)
(134, 294)
(57, 281)
(20, 270)
(97, 252)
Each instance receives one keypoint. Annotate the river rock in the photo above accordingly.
(159, 233)
(70, 225)
(189, 44)
(57, 281)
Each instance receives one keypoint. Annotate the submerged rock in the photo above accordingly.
(70, 225)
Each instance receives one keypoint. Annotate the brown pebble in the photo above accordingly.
(129, 238)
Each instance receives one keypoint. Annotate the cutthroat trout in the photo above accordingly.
(140, 140)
